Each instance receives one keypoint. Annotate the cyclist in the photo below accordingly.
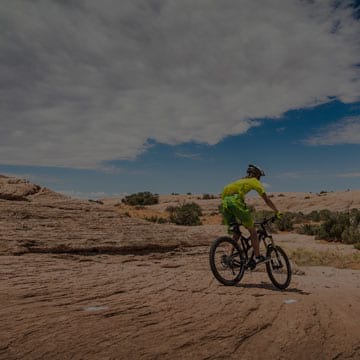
(234, 208)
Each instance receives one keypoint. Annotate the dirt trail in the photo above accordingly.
(169, 306)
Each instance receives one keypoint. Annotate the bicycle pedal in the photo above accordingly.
(251, 264)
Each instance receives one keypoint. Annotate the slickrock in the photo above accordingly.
(169, 306)
(48, 222)
(80, 281)
(16, 189)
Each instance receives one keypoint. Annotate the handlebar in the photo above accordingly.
(266, 221)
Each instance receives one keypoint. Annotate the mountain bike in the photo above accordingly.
(230, 257)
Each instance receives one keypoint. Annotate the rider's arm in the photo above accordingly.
(269, 202)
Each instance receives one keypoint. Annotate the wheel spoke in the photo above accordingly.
(278, 268)
(226, 261)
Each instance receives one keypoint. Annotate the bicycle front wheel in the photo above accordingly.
(227, 261)
(278, 267)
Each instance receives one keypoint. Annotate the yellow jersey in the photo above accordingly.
(242, 186)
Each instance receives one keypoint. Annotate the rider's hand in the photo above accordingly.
(279, 215)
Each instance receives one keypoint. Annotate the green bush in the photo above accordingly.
(341, 226)
(299, 218)
(286, 222)
(185, 214)
(208, 197)
(324, 214)
(313, 216)
(141, 198)
(156, 219)
(332, 226)
(354, 216)
(308, 229)
(350, 235)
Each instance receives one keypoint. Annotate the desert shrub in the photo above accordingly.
(281, 195)
(324, 214)
(188, 193)
(350, 235)
(141, 198)
(286, 222)
(341, 226)
(354, 217)
(331, 230)
(313, 216)
(308, 229)
(299, 218)
(185, 214)
(171, 208)
(156, 219)
(208, 197)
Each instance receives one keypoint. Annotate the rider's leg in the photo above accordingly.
(254, 241)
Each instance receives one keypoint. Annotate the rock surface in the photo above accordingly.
(287, 201)
(44, 221)
(79, 280)
(169, 306)
(16, 189)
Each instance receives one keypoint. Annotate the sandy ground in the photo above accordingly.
(81, 280)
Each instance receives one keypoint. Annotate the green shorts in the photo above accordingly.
(235, 210)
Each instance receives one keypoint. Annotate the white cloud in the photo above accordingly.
(188, 155)
(346, 131)
(83, 83)
(349, 175)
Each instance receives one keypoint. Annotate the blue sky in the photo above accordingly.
(280, 146)
(104, 98)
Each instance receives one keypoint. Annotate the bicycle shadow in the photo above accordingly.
(267, 286)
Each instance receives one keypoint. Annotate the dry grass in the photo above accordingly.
(305, 257)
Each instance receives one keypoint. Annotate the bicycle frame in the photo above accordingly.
(245, 242)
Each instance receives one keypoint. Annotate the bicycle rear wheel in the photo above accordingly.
(227, 261)
(278, 267)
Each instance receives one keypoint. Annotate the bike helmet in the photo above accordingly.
(255, 170)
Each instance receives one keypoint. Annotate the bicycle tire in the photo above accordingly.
(274, 265)
(235, 262)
